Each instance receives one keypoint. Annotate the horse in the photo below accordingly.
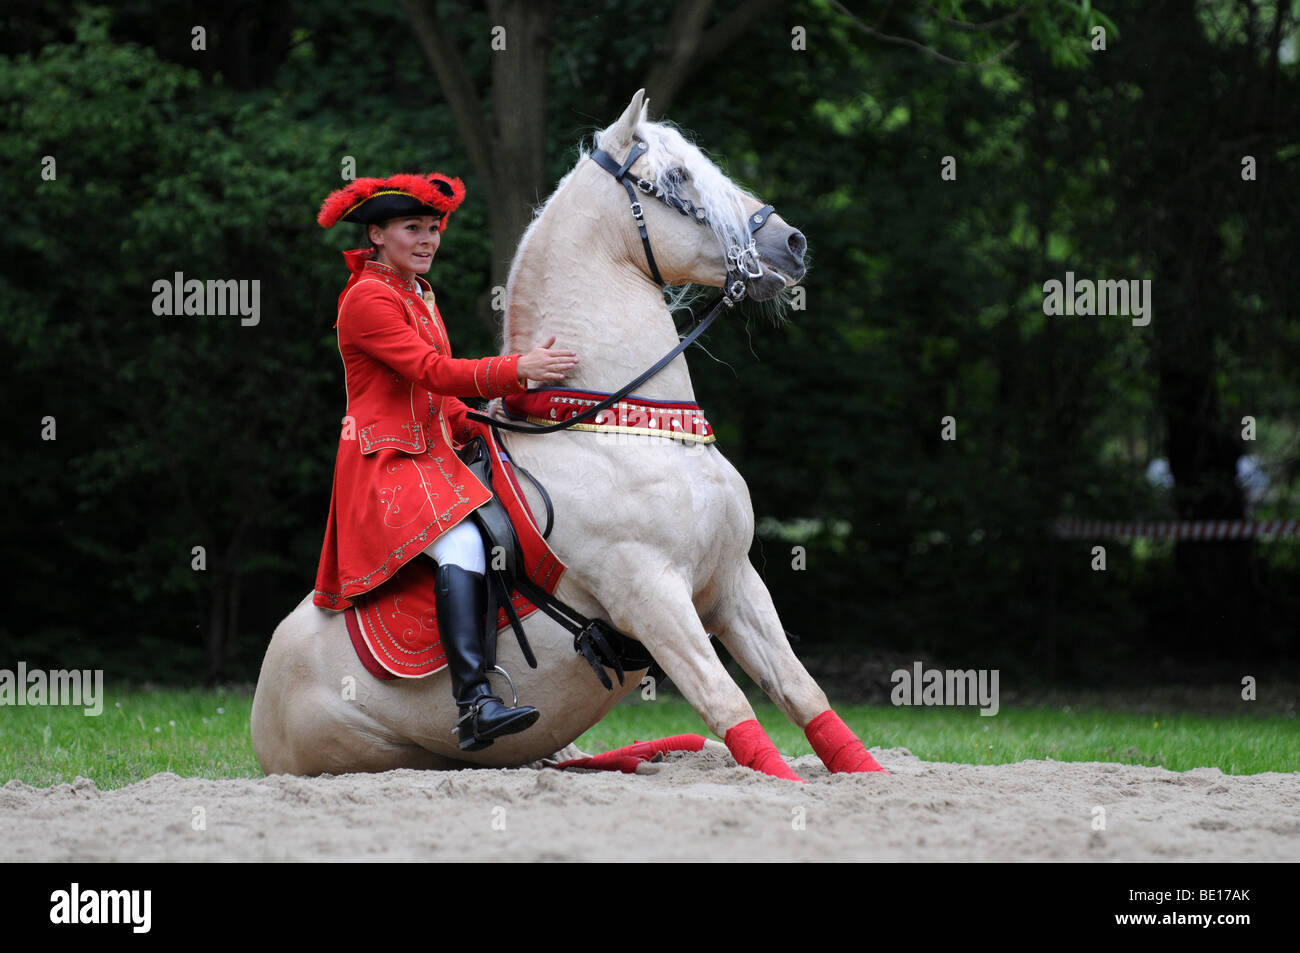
(655, 532)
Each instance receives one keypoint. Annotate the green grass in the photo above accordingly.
(205, 734)
(139, 733)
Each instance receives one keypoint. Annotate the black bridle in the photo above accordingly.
(733, 287)
(737, 272)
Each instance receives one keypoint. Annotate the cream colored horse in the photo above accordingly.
(655, 532)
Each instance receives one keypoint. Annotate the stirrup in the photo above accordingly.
(514, 695)
(474, 735)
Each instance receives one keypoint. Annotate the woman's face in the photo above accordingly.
(408, 244)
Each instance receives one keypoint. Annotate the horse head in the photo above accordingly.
(700, 224)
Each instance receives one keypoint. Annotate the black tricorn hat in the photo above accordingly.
(372, 201)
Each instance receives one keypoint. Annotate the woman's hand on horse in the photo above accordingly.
(546, 363)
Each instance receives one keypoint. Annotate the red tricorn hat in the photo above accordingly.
(373, 201)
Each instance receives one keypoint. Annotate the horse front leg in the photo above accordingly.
(746, 622)
(664, 619)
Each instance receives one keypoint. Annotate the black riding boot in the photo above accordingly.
(461, 605)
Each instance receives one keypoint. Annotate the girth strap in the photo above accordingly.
(546, 497)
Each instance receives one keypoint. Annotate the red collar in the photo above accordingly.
(360, 264)
(356, 259)
(390, 275)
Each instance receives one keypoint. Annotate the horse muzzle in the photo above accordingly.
(781, 251)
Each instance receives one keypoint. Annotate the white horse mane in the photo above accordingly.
(668, 151)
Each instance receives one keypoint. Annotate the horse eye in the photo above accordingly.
(677, 175)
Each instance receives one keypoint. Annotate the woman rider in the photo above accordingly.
(400, 490)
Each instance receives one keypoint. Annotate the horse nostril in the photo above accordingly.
(798, 245)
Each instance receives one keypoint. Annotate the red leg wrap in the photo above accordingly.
(626, 759)
(751, 747)
(837, 746)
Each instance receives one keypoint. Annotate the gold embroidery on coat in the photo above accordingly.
(414, 441)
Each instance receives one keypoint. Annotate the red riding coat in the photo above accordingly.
(398, 484)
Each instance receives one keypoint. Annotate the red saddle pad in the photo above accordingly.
(394, 628)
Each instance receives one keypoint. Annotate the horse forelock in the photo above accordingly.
(708, 187)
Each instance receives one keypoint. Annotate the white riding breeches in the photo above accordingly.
(460, 546)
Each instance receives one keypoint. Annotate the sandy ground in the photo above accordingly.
(686, 807)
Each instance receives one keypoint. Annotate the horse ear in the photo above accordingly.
(619, 136)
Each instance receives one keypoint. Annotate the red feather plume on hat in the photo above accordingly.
(435, 190)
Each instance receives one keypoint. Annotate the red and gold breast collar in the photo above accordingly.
(680, 420)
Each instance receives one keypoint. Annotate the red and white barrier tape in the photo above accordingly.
(1175, 529)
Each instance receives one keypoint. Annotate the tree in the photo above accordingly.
(504, 127)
